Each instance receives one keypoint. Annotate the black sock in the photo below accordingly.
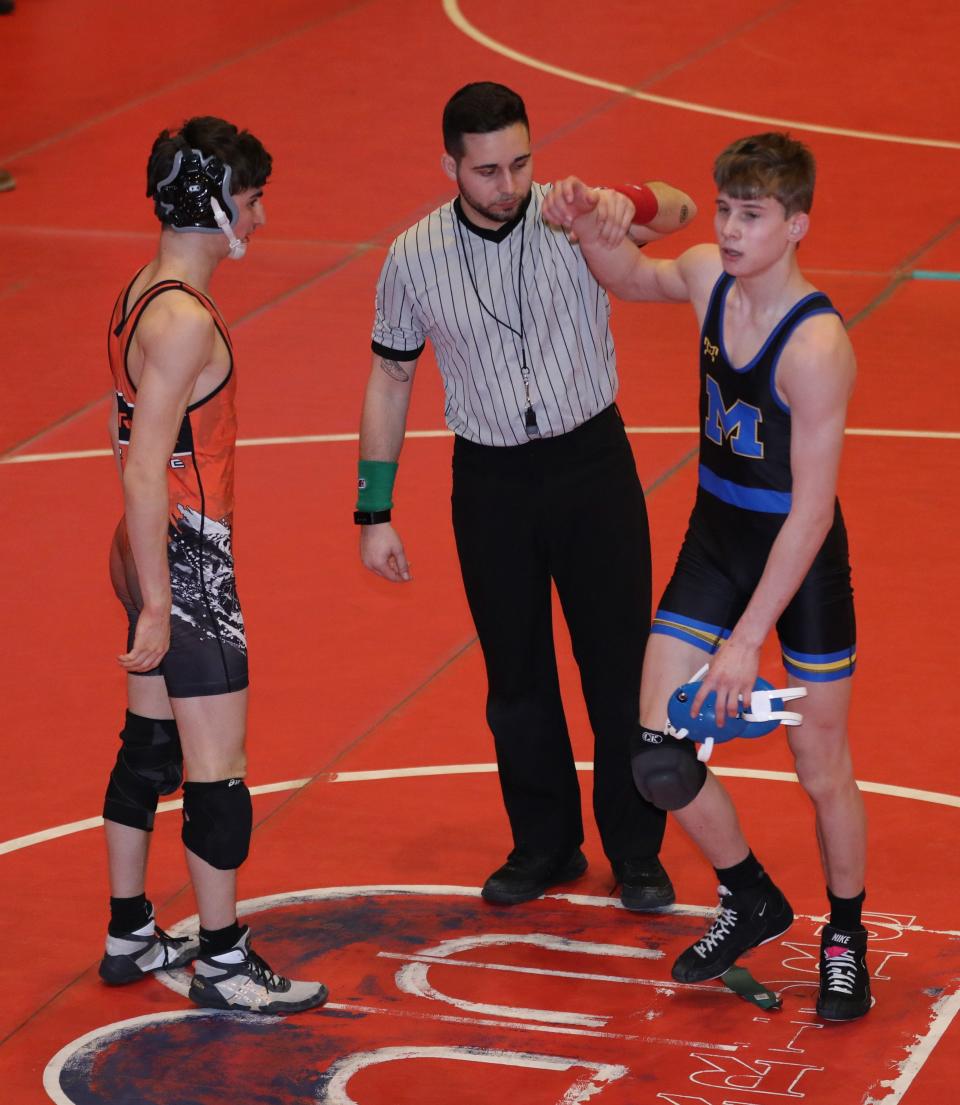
(845, 912)
(217, 941)
(128, 914)
(743, 875)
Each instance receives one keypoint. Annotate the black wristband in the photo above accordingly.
(371, 517)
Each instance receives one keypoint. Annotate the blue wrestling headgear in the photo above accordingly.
(195, 196)
(765, 714)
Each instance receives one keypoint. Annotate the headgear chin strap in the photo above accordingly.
(764, 716)
(195, 197)
(237, 247)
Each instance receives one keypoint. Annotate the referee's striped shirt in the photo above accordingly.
(445, 279)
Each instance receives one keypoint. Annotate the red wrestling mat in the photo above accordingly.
(439, 994)
(352, 676)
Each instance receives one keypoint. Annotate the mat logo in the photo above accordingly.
(438, 998)
(727, 1072)
(333, 1085)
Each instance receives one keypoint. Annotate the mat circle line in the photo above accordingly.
(333, 439)
(458, 19)
(16, 844)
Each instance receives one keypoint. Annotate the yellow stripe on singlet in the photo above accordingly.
(711, 639)
(833, 665)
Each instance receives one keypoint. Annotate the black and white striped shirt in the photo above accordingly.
(434, 279)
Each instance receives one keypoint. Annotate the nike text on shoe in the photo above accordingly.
(525, 877)
(239, 979)
(844, 980)
(135, 954)
(744, 920)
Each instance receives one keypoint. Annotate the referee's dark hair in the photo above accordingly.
(480, 108)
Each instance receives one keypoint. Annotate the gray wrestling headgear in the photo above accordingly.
(195, 196)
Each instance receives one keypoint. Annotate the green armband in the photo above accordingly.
(375, 484)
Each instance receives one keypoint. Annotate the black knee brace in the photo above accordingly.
(218, 821)
(149, 764)
(666, 770)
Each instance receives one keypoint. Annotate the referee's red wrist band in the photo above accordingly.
(643, 199)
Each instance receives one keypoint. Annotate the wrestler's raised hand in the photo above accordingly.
(585, 213)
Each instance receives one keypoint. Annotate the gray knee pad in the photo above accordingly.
(149, 764)
(666, 770)
(218, 821)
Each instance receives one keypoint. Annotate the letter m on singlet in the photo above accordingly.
(739, 424)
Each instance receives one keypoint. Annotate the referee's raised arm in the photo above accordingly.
(383, 424)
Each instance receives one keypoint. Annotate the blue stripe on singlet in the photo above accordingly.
(747, 498)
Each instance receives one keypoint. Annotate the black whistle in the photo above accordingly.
(530, 423)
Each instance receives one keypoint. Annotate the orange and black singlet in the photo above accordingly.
(208, 649)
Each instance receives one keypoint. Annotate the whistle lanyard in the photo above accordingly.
(529, 414)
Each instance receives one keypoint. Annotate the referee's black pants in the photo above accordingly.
(570, 509)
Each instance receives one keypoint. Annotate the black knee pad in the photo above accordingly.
(149, 764)
(218, 821)
(666, 770)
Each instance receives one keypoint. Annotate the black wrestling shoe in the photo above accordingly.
(844, 979)
(744, 920)
(524, 877)
(644, 885)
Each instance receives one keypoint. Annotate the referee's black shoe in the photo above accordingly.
(525, 877)
(645, 886)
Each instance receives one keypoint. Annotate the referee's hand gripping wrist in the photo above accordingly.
(614, 217)
(567, 201)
